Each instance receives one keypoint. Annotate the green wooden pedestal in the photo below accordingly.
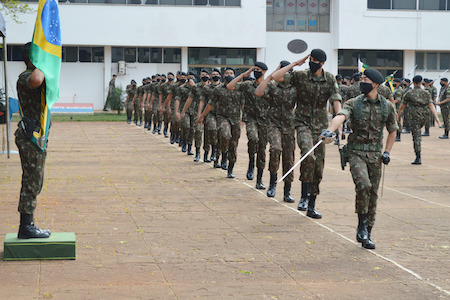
(60, 245)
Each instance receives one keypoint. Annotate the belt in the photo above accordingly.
(365, 147)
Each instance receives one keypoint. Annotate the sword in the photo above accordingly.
(301, 159)
(382, 181)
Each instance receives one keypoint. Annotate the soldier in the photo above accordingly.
(30, 85)
(210, 139)
(191, 107)
(111, 90)
(419, 103)
(138, 103)
(281, 132)
(147, 97)
(170, 103)
(386, 92)
(157, 118)
(347, 81)
(444, 103)
(163, 93)
(398, 93)
(315, 87)
(343, 91)
(406, 87)
(353, 90)
(229, 105)
(131, 91)
(147, 111)
(255, 119)
(180, 101)
(428, 84)
(369, 114)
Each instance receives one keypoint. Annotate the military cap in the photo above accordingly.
(374, 75)
(407, 80)
(204, 70)
(248, 78)
(133, 81)
(319, 54)
(444, 79)
(397, 80)
(417, 79)
(347, 77)
(261, 65)
(216, 70)
(114, 75)
(191, 73)
(170, 73)
(163, 75)
(427, 80)
(284, 63)
(183, 73)
(338, 77)
(179, 72)
(357, 76)
(230, 68)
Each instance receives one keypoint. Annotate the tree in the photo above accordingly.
(13, 8)
(117, 99)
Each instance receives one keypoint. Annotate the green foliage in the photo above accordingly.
(13, 8)
(117, 99)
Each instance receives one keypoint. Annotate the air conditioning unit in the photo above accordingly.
(122, 68)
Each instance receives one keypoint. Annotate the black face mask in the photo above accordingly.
(215, 78)
(229, 78)
(313, 66)
(257, 74)
(404, 85)
(442, 84)
(205, 78)
(163, 80)
(158, 80)
(365, 87)
(183, 80)
(170, 79)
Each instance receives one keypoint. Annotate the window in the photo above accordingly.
(432, 4)
(298, 15)
(156, 55)
(420, 60)
(155, 2)
(116, 54)
(409, 4)
(172, 55)
(379, 4)
(85, 54)
(129, 54)
(444, 62)
(98, 54)
(404, 4)
(143, 55)
(69, 54)
(433, 60)
(221, 57)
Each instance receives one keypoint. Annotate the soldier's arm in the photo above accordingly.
(400, 109)
(160, 102)
(232, 85)
(134, 99)
(186, 106)
(168, 98)
(208, 108)
(279, 75)
(336, 122)
(176, 107)
(433, 110)
(259, 92)
(200, 108)
(152, 99)
(36, 78)
(443, 101)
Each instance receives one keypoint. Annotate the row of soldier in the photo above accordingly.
(276, 109)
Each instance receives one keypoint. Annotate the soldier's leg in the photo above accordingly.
(252, 146)
(305, 143)
(184, 132)
(232, 150)
(224, 141)
(213, 137)
(417, 138)
(207, 137)
(190, 133)
(262, 144)
(374, 169)
(400, 126)
(129, 112)
(274, 134)
(288, 151)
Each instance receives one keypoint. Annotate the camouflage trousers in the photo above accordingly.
(257, 141)
(210, 132)
(137, 111)
(430, 120)
(33, 161)
(129, 108)
(366, 173)
(311, 168)
(166, 115)
(415, 124)
(282, 141)
(157, 117)
(198, 134)
(187, 132)
(147, 115)
(228, 135)
(445, 112)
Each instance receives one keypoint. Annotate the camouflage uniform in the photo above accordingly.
(353, 91)
(147, 111)
(111, 90)
(31, 157)
(196, 94)
(210, 119)
(131, 91)
(281, 130)
(164, 92)
(398, 93)
(417, 101)
(255, 118)
(384, 91)
(365, 145)
(228, 106)
(445, 108)
(138, 103)
(433, 92)
(405, 111)
(311, 118)
(157, 118)
(187, 134)
(174, 123)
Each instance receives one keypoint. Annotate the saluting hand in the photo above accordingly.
(301, 61)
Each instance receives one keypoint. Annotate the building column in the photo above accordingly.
(409, 59)
(261, 54)
(107, 72)
(184, 59)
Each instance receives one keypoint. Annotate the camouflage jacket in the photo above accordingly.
(29, 97)
(417, 101)
(281, 98)
(433, 92)
(182, 95)
(384, 91)
(405, 90)
(343, 91)
(131, 91)
(112, 85)
(353, 91)
(227, 103)
(398, 93)
(368, 127)
(254, 108)
(164, 90)
(312, 96)
(196, 94)
(208, 95)
(444, 94)
(173, 90)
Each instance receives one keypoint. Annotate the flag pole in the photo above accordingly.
(8, 120)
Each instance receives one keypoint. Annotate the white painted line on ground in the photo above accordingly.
(429, 166)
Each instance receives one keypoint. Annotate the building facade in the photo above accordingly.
(145, 37)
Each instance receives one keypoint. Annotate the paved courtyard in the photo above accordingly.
(153, 224)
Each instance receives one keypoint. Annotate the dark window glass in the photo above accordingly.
(432, 4)
(16, 53)
(98, 54)
(183, 2)
(116, 1)
(85, 54)
(221, 56)
(232, 2)
(379, 4)
(71, 54)
(172, 55)
(156, 55)
(130, 54)
(143, 55)
(420, 60)
(404, 4)
(97, 1)
(431, 60)
(200, 2)
(134, 2)
(116, 54)
(444, 61)
(216, 2)
(167, 2)
(151, 2)
(77, 1)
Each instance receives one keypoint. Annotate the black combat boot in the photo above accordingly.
(214, 155)
(145, 124)
(197, 154)
(287, 193)
(205, 157)
(135, 122)
(216, 162)
(312, 212)
(398, 136)
(303, 204)
(128, 121)
(426, 132)
(140, 122)
(183, 146)
(230, 170)
(445, 136)
(259, 184)
(223, 164)
(251, 167)
(172, 138)
(149, 125)
(369, 244)
(177, 137)
(272, 185)
(155, 128)
(159, 128)
(166, 126)
(417, 161)
(28, 230)
(361, 230)
(189, 149)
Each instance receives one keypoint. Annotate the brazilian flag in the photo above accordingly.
(45, 54)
